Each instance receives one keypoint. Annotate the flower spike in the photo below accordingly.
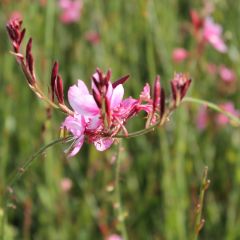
(179, 85)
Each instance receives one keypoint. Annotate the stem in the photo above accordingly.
(199, 222)
(18, 173)
(213, 106)
(120, 212)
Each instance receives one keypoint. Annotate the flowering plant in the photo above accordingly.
(100, 116)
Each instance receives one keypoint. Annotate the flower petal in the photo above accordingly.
(117, 96)
(75, 148)
(103, 143)
(76, 125)
(81, 101)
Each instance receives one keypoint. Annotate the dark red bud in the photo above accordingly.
(121, 80)
(196, 20)
(108, 76)
(22, 34)
(11, 32)
(53, 78)
(162, 103)
(108, 110)
(185, 88)
(29, 57)
(15, 33)
(97, 98)
(156, 92)
(179, 85)
(59, 89)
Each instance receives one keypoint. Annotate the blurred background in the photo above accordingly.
(59, 198)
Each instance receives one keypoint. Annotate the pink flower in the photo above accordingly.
(66, 184)
(228, 107)
(71, 10)
(100, 115)
(226, 74)
(202, 118)
(212, 33)
(114, 237)
(92, 37)
(212, 69)
(179, 55)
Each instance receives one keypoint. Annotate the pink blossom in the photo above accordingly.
(212, 33)
(71, 10)
(212, 69)
(92, 37)
(114, 237)
(226, 74)
(66, 184)
(228, 107)
(179, 55)
(145, 94)
(100, 115)
(202, 117)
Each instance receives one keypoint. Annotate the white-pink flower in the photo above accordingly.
(98, 116)
(179, 55)
(227, 74)
(212, 33)
(66, 184)
(71, 10)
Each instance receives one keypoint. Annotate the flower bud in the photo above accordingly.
(179, 85)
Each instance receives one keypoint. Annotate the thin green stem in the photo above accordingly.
(213, 106)
(119, 208)
(17, 174)
(199, 221)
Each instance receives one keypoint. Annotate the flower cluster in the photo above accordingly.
(206, 31)
(99, 115)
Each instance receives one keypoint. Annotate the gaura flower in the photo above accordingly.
(100, 115)
(227, 74)
(212, 33)
(179, 55)
(71, 10)
(97, 117)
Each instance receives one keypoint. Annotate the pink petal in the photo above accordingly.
(117, 96)
(179, 55)
(103, 143)
(81, 101)
(76, 147)
(145, 94)
(75, 125)
(226, 74)
(94, 123)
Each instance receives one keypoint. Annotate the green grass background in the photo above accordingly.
(161, 172)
